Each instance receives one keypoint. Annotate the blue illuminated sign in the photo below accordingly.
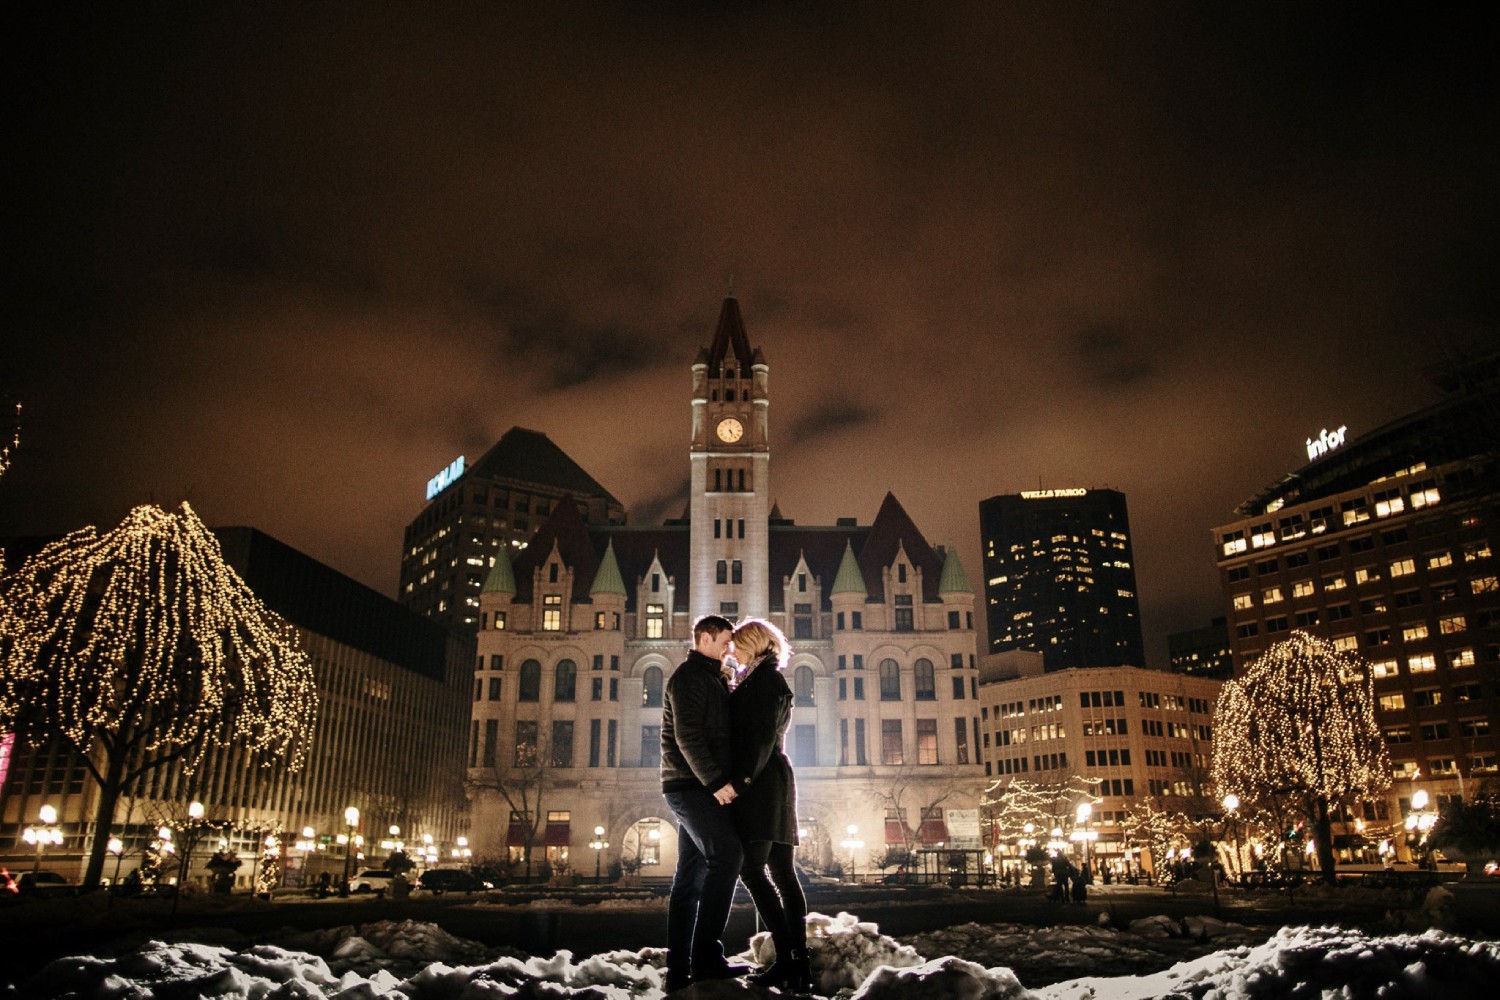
(446, 478)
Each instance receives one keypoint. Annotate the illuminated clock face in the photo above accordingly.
(731, 430)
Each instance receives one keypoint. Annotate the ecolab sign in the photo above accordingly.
(446, 478)
(1325, 442)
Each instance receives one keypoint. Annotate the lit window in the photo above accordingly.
(1334, 583)
(1424, 494)
(1403, 567)
(1412, 633)
(1366, 574)
(1461, 658)
(1384, 668)
(1425, 663)
(552, 613)
(654, 620)
(1392, 702)
(1345, 643)
(1450, 625)
(1483, 585)
(1302, 588)
(1438, 560)
(1243, 602)
(1270, 595)
(1477, 551)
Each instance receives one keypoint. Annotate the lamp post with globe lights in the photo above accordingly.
(1231, 812)
(852, 843)
(116, 846)
(598, 844)
(351, 820)
(1419, 823)
(1084, 834)
(40, 836)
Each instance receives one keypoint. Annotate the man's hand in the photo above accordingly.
(726, 795)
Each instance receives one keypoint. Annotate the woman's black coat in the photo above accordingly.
(760, 709)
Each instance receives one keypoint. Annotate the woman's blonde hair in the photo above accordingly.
(756, 636)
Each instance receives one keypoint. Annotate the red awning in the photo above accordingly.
(894, 834)
(557, 834)
(516, 835)
(933, 831)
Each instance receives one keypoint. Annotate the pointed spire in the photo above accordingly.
(954, 580)
(608, 579)
(729, 338)
(849, 579)
(502, 579)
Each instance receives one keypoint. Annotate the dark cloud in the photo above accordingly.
(292, 265)
(832, 415)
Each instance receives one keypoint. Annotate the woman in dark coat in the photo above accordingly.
(765, 811)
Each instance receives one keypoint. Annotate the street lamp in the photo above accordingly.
(116, 846)
(1085, 810)
(598, 844)
(852, 843)
(351, 820)
(1419, 823)
(41, 836)
(1231, 808)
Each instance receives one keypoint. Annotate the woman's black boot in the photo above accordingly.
(791, 972)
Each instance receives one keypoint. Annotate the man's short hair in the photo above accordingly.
(711, 624)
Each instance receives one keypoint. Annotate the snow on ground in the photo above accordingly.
(408, 960)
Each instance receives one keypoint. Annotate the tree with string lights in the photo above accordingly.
(139, 647)
(1299, 727)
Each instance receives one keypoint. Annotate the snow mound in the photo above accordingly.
(1312, 962)
(947, 978)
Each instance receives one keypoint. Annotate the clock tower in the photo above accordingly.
(730, 503)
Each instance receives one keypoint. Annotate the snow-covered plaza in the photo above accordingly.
(1156, 956)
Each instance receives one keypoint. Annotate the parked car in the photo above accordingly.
(45, 885)
(376, 880)
(440, 880)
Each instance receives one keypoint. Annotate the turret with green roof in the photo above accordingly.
(849, 579)
(608, 580)
(954, 580)
(502, 578)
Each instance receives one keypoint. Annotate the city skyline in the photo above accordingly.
(290, 270)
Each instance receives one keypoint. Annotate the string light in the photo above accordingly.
(1298, 728)
(1016, 802)
(140, 646)
(9, 448)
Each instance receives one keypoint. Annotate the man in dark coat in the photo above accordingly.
(696, 780)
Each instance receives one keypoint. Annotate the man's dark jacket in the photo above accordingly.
(695, 749)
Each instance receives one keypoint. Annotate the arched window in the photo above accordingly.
(530, 688)
(890, 681)
(651, 688)
(924, 681)
(802, 684)
(567, 681)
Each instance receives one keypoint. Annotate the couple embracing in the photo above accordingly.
(729, 784)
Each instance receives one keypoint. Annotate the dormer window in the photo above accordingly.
(900, 573)
(552, 573)
(729, 373)
(552, 613)
(655, 583)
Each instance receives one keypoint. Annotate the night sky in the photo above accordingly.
(287, 261)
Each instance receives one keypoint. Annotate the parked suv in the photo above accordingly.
(43, 885)
(376, 880)
(440, 880)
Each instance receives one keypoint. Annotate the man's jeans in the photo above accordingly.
(709, 855)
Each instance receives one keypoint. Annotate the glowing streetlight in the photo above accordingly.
(41, 836)
(852, 843)
(598, 844)
(351, 820)
(1231, 807)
